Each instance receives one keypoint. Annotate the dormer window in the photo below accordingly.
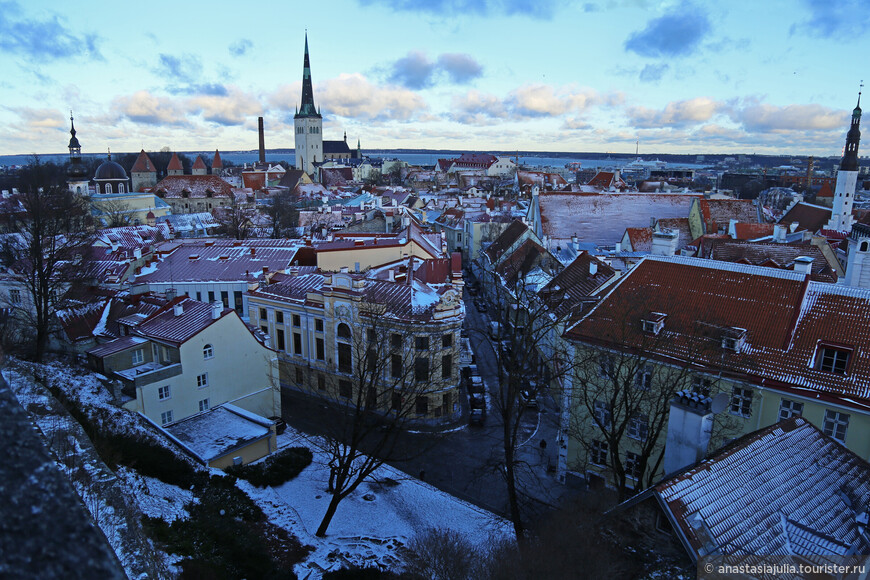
(833, 359)
(733, 338)
(653, 323)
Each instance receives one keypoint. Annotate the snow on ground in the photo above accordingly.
(155, 498)
(375, 522)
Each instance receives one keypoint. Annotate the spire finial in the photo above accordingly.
(860, 90)
(110, 153)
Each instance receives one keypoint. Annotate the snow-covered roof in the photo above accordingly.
(219, 431)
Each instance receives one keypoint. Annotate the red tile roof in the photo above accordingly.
(217, 163)
(566, 291)
(199, 163)
(760, 253)
(195, 186)
(809, 217)
(785, 316)
(175, 163)
(165, 326)
(744, 231)
(640, 238)
(507, 238)
(718, 213)
(143, 164)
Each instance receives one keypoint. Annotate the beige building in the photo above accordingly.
(186, 358)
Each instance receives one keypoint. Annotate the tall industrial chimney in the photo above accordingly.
(262, 141)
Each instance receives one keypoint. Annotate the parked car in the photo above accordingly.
(475, 384)
(477, 400)
(529, 399)
(477, 416)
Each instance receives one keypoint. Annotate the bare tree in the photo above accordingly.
(115, 213)
(45, 255)
(390, 375)
(235, 221)
(285, 216)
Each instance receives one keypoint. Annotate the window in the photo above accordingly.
(210, 297)
(741, 402)
(396, 401)
(643, 379)
(421, 342)
(225, 298)
(262, 313)
(396, 366)
(318, 325)
(345, 360)
(319, 350)
(598, 452)
(321, 382)
(279, 338)
(265, 329)
(203, 405)
(300, 377)
(606, 367)
(199, 296)
(15, 296)
(208, 351)
(396, 341)
(445, 403)
(446, 366)
(447, 341)
(155, 352)
(789, 409)
(602, 413)
(297, 343)
(164, 393)
(202, 380)
(344, 332)
(279, 317)
(297, 320)
(833, 360)
(239, 303)
(345, 389)
(653, 323)
(165, 417)
(421, 369)
(371, 335)
(702, 385)
(836, 424)
(422, 405)
(638, 427)
(138, 356)
(632, 465)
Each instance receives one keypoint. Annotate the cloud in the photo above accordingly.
(676, 114)
(771, 118)
(460, 68)
(233, 108)
(529, 101)
(240, 47)
(146, 108)
(539, 9)
(413, 71)
(676, 33)
(416, 71)
(833, 19)
(185, 68)
(476, 108)
(652, 73)
(42, 39)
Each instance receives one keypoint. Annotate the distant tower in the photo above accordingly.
(175, 167)
(308, 123)
(847, 177)
(144, 173)
(199, 167)
(858, 257)
(217, 165)
(77, 178)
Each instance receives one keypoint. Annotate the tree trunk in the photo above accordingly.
(327, 517)
(513, 498)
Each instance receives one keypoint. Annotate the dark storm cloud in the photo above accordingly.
(676, 33)
(42, 39)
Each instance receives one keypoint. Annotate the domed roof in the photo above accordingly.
(150, 215)
(110, 170)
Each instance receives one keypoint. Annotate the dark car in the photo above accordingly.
(529, 399)
(280, 424)
(477, 416)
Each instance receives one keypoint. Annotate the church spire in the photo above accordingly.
(307, 109)
(853, 137)
(76, 169)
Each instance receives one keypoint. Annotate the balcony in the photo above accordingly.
(148, 373)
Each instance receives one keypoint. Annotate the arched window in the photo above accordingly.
(863, 246)
(343, 332)
(121, 188)
(107, 188)
(345, 358)
(207, 351)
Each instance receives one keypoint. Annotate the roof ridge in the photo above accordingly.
(728, 266)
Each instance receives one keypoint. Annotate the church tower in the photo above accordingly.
(847, 177)
(76, 176)
(308, 124)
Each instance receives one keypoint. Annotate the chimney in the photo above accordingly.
(779, 234)
(664, 243)
(262, 141)
(343, 269)
(803, 264)
(137, 253)
(170, 293)
(216, 308)
(618, 247)
(265, 270)
(690, 423)
(593, 267)
(391, 275)
(178, 309)
(253, 252)
(732, 228)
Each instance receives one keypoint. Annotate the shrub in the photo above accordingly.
(276, 470)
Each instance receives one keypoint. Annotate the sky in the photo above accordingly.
(742, 76)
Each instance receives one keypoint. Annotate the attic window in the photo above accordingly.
(833, 359)
(654, 322)
(733, 338)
